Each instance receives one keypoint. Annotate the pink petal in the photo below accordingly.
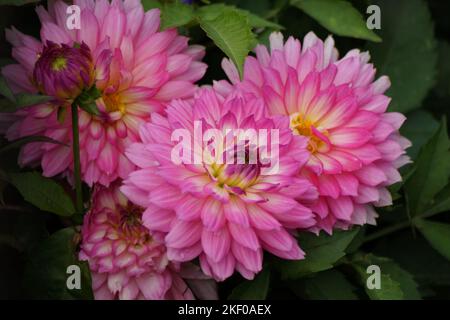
(216, 244)
(341, 207)
(244, 236)
(183, 234)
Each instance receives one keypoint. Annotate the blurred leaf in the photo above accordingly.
(22, 100)
(151, 4)
(176, 15)
(43, 193)
(408, 44)
(441, 203)
(258, 22)
(443, 79)
(277, 7)
(321, 252)
(212, 11)
(419, 128)
(29, 139)
(255, 289)
(325, 285)
(231, 32)
(357, 241)
(5, 90)
(437, 234)
(396, 283)
(46, 271)
(432, 171)
(338, 16)
(415, 255)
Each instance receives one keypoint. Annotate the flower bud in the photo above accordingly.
(63, 71)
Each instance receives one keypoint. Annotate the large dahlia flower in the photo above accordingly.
(354, 145)
(126, 262)
(138, 70)
(226, 208)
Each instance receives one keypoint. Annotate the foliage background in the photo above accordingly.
(411, 244)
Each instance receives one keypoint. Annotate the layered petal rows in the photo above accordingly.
(138, 70)
(211, 178)
(354, 145)
(224, 213)
(125, 261)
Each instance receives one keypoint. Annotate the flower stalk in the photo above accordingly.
(76, 160)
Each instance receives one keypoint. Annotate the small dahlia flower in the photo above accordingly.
(126, 262)
(229, 206)
(138, 70)
(62, 71)
(354, 144)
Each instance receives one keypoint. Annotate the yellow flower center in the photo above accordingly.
(235, 175)
(318, 139)
(131, 227)
(59, 64)
(113, 103)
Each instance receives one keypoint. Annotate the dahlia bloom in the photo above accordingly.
(64, 72)
(224, 212)
(126, 262)
(354, 144)
(138, 70)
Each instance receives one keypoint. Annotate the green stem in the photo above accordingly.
(76, 159)
(397, 227)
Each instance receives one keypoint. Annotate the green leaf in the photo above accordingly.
(408, 42)
(43, 193)
(29, 139)
(321, 253)
(231, 32)
(431, 173)
(255, 289)
(419, 128)
(326, 285)
(61, 114)
(212, 11)
(22, 100)
(357, 241)
(90, 107)
(175, 15)
(46, 271)
(338, 16)
(151, 4)
(87, 100)
(441, 203)
(437, 234)
(5, 90)
(396, 283)
(443, 78)
(258, 22)
(414, 255)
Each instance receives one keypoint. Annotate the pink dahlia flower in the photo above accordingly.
(225, 212)
(354, 145)
(126, 262)
(138, 70)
